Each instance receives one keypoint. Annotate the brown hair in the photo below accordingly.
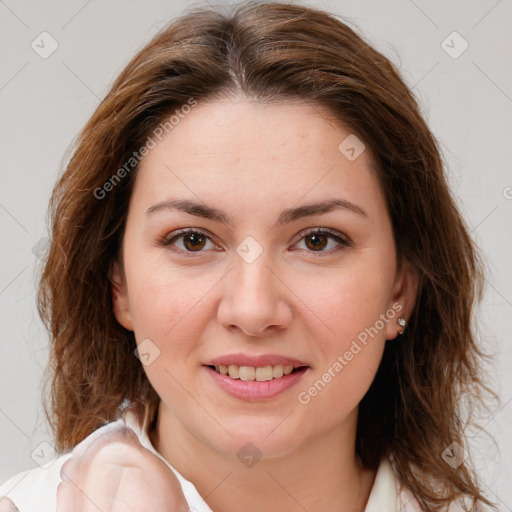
(271, 52)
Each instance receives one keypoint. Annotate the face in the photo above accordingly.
(255, 279)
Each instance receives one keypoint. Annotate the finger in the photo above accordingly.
(121, 434)
(121, 447)
(6, 505)
(91, 480)
(70, 492)
(120, 442)
(70, 470)
(118, 436)
(108, 433)
(67, 498)
(70, 498)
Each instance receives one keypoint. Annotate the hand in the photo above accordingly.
(6, 505)
(115, 473)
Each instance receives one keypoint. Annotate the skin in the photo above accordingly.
(115, 473)
(6, 505)
(199, 300)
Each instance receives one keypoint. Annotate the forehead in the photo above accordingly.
(248, 153)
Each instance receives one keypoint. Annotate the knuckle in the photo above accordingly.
(119, 435)
(68, 471)
(110, 443)
(118, 451)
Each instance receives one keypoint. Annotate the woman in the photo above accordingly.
(258, 212)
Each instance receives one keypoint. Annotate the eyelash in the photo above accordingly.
(344, 242)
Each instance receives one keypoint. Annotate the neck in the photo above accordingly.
(322, 474)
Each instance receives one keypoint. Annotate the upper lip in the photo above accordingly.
(261, 360)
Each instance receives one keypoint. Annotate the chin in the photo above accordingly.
(252, 443)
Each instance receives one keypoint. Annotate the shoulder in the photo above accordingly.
(405, 499)
(407, 502)
(35, 490)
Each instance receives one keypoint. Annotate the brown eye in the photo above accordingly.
(192, 240)
(316, 240)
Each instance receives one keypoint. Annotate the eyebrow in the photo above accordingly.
(286, 216)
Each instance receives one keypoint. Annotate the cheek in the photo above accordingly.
(163, 297)
(352, 333)
(352, 302)
(345, 373)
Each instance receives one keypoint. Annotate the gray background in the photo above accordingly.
(44, 102)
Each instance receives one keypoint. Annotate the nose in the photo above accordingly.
(256, 299)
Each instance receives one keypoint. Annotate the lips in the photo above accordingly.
(254, 390)
(248, 377)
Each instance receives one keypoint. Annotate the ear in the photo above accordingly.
(120, 302)
(404, 298)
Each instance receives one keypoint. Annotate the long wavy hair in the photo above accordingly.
(271, 51)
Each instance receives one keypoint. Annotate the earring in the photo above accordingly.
(402, 323)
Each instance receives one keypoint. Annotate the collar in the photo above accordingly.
(383, 495)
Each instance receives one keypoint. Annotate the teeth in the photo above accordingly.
(264, 373)
(246, 372)
(277, 371)
(233, 371)
(260, 373)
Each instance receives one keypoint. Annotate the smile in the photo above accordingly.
(258, 373)
(243, 382)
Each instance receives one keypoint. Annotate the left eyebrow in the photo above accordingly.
(286, 216)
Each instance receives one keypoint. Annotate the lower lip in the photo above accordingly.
(253, 390)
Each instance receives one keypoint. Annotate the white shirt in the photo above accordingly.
(35, 490)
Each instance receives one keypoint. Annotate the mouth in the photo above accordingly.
(256, 383)
(257, 373)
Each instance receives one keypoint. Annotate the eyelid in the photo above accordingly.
(327, 231)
